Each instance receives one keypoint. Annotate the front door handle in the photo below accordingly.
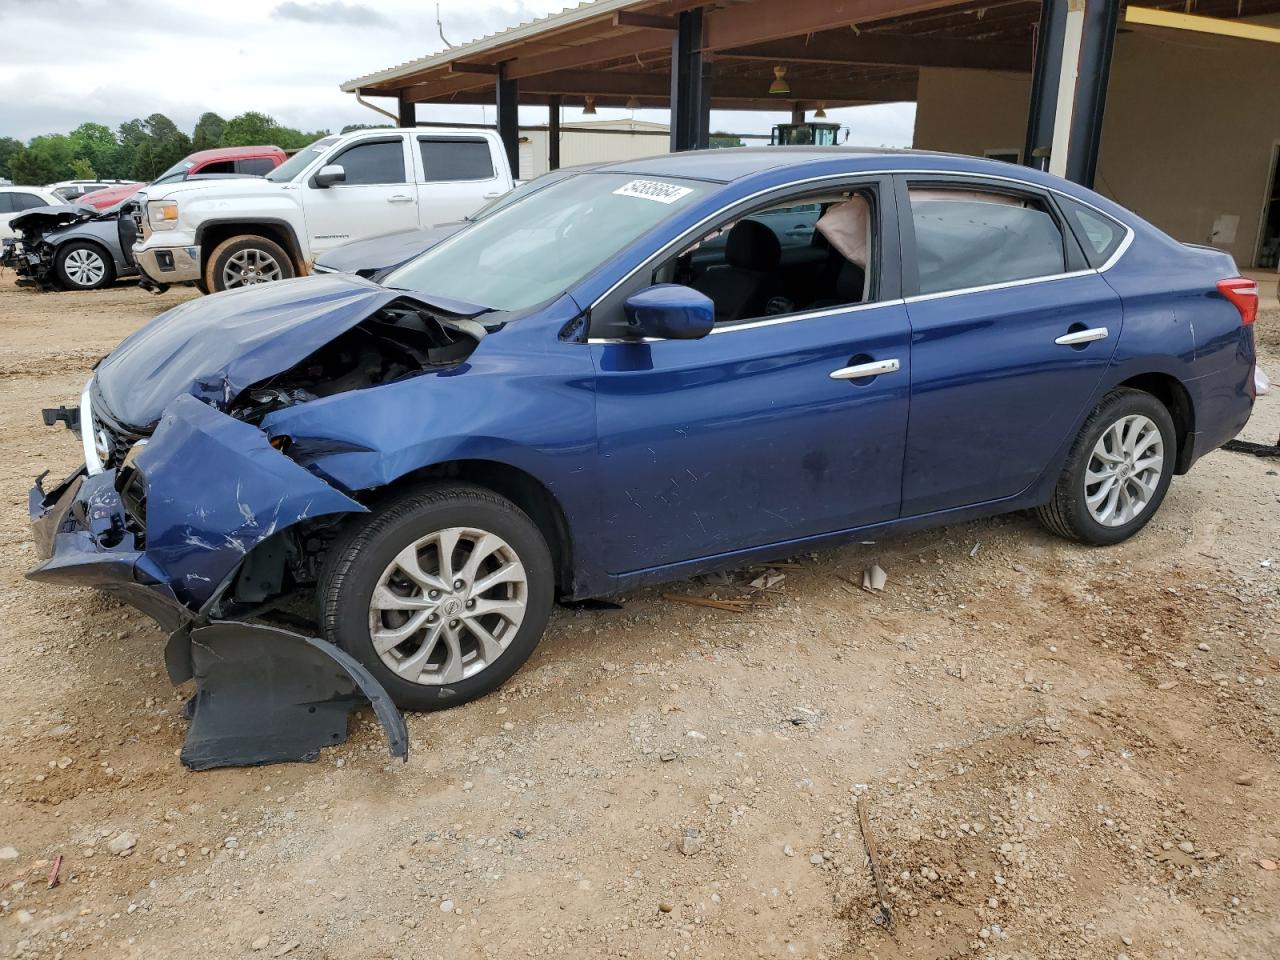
(491, 196)
(400, 198)
(872, 369)
(1077, 337)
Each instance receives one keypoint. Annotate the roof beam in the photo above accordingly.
(1215, 25)
(656, 88)
(628, 18)
(884, 48)
(635, 44)
(744, 24)
(488, 69)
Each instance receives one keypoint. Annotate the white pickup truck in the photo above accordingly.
(221, 234)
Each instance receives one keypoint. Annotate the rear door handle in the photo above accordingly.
(860, 370)
(491, 196)
(400, 198)
(1082, 336)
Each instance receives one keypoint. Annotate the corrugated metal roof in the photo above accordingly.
(583, 12)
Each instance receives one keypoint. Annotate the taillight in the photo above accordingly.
(1243, 294)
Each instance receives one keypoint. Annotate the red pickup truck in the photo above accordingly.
(243, 160)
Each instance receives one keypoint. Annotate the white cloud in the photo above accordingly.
(108, 61)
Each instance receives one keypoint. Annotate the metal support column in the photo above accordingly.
(1044, 83)
(1097, 44)
(553, 132)
(797, 112)
(690, 84)
(407, 111)
(1074, 46)
(508, 95)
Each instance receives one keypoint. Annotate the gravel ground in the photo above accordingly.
(1061, 752)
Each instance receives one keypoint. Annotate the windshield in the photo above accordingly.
(528, 251)
(175, 173)
(300, 160)
(520, 192)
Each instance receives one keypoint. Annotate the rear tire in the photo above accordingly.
(1117, 473)
(432, 633)
(244, 261)
(81, 265)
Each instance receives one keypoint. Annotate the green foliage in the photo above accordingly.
(208, 131)
(8, 148)
(253, 128)
(138, 149)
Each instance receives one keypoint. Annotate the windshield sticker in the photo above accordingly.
(653, 190)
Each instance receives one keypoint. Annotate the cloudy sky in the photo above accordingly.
(68, 61)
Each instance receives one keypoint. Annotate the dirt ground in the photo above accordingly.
(1062, 752)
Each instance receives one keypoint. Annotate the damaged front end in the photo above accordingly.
(206, 524)
(29, 254)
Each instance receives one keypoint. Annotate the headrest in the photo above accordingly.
(752, 246)
(847, 227)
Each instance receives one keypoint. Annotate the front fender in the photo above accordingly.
(215, 488)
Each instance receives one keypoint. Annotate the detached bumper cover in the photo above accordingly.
(214, 489)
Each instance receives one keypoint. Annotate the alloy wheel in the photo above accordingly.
(448, 605)
(1124, 470)
(250, 266)
(85, 267)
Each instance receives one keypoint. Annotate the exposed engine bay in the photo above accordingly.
(403, 339)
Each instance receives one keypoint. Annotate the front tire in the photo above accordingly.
(442, 594)
(1117, 473)
(244, 261)
(81, 265)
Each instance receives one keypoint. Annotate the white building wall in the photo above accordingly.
(586, 143)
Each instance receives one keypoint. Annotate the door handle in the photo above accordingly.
(860, 370)
(400, 198)
(491, 196)
(1082, 336)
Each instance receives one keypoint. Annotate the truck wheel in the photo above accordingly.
(442, 594)
(83, 266)
(244, 260)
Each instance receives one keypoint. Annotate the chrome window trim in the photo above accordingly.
(1002, 285)
(853, 176)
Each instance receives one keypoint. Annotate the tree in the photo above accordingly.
(253, 128)
(97, 146)
(9, 147)
(163, 146)
(81, 169)
(45, 159)
(208, 131)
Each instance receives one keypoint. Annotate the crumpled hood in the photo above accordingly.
(216, 346)
(55, 215)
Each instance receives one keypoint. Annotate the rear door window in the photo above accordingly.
(218, 166)
(381, 161)
(444, 160)
(257, 166)
(974, 238)
(26, 201)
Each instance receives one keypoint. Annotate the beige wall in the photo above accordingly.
(1187, 138)
(582, 145)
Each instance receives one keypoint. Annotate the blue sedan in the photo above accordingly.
(637, 373)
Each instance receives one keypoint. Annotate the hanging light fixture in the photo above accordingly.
(821, 112)
(589, 109)
(779, 87)
(633, 103)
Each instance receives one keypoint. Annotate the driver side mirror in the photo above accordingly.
(670, 311)
(330, 174)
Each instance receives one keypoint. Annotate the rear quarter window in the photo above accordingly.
(1099, 235)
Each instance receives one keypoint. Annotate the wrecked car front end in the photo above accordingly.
(188, 511)
(42, 231)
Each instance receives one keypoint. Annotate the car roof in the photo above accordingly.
(231, 153)
(735, 163)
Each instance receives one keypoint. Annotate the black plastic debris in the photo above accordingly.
(265, 695)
